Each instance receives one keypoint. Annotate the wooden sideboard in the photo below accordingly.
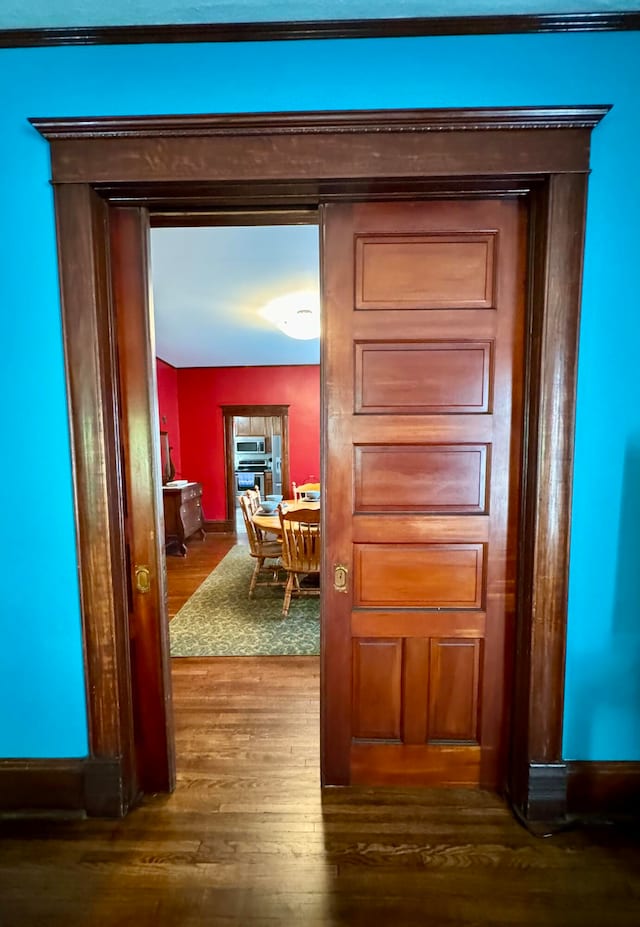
(182, 515)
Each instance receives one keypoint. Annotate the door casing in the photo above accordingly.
(183, 164)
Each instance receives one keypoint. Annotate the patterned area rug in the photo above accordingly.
(220, 620)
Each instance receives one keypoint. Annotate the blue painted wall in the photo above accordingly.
(37, 13)
(41, 625)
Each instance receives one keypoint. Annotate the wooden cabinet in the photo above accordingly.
(272, 427)
(251, 425)
(182, 515)
(258, 426)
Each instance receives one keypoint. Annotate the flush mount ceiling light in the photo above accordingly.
(296, 314)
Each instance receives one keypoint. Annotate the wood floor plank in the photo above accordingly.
(250, 840)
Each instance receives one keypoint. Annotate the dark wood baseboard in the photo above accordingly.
(220, 526)
(95, 787)
(578, 788)
(105, 789)
(603, 787)
(544, 799)
(63, 786)
(35, 785)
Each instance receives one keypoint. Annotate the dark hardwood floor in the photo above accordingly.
(250, 839)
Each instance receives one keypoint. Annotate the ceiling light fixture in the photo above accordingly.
(296, 314)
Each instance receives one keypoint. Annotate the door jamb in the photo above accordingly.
(302, 159)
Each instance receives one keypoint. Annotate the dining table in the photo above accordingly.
(271, 522)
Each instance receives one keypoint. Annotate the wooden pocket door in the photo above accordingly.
(424, 307)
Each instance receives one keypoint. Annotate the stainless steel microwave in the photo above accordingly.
(250, 445)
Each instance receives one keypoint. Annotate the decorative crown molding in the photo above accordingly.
(400, 27)
(342, 122)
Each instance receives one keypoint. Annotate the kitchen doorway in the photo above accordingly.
(256, 454)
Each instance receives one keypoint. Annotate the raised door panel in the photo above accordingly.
(424, 330)
(436, 377)
(434, 478)
(416, 691)
(418, 575)
(454, 677)
(377, 675)
(435, 271)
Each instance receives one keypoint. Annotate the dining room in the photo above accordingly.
(238, 388)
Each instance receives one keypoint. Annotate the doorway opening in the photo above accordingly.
(256, 455)
(109, 174)
(241, 399)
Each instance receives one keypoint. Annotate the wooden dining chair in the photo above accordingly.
(253, 496)
(255, 502)
(300, 530)
(266, 552)
(300, 492)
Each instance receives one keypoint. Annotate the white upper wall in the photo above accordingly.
(17, 14)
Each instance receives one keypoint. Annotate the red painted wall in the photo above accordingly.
(167, 380)
(201, 393)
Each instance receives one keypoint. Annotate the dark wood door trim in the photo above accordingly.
(144, 525)
(544, 154)
(228, 412)
(295, 157)
(92, 385)
(326, 123)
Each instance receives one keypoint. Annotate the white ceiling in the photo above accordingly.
(50, 13)
(210, 283)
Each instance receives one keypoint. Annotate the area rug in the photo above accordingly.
(220, 620)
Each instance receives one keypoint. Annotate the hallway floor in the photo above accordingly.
(249, 839)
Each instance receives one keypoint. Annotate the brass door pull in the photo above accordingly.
(143, 579)
(340, 578)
